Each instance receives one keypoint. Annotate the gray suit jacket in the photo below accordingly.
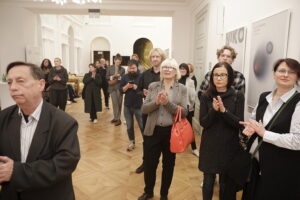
(110, 71)
(149, 107)
(52, 157)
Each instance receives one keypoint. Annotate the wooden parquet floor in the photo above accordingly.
(106, 170)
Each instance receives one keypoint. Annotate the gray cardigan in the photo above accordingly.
(151, 109)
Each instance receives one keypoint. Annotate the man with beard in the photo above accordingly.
(156, 56)
(133, 101)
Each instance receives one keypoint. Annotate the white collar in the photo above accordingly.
(36, 113)
(284, 98)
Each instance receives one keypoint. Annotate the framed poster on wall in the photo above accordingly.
(237, 40)
(269, 39)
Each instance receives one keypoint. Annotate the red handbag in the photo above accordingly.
(181, 134)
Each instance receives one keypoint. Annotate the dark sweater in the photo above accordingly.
(220, 140)
(147, 77)
(58, 85)
(132, 98)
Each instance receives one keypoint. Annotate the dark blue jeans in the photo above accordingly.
(128, 113)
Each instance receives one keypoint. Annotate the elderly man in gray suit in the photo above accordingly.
(113, 76)
(39, 148)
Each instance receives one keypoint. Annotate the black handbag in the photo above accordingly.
(242, 166)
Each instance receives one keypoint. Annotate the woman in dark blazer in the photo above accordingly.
(221, 110)
(92, 99)
(276, 173)
(161, 105)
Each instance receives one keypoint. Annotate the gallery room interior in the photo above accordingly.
(190, 31)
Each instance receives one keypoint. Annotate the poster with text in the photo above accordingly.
(237, 40)
(269, 39)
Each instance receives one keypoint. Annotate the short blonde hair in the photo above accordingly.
(159, 51)
(170, 62)
(191, 66)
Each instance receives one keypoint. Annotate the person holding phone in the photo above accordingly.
(133, 101)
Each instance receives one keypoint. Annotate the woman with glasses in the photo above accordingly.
(161, 105)
(276, 173)
(221, 110)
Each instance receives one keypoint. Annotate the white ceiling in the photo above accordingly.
(108, 7)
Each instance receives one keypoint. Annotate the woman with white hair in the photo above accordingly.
(161, 105)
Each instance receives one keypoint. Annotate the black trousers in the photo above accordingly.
(227, 187)
(189, 117)
(144, 118)
(71, 92)
(93, 113)
(106, 94)
(58, 98)
(154, 145)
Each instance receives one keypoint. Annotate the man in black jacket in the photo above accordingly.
(101, 69)
(39, 148)
(58, 78)
(157, 56)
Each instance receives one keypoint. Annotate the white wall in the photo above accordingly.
(120, 32)
(18, 29)
(56, 39)
(123, 31)
(243, 13)
(181, 35)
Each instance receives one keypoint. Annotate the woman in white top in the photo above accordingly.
(191, 90)
(276, 172)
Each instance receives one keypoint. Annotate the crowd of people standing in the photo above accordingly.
(271, 137)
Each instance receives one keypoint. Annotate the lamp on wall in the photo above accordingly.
(81, 2)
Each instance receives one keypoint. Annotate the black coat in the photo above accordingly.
(92, 92)
(220, 140)
(52, 157)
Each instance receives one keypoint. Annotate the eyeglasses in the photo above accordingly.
(221, 76)
(168, 68)
(284, 72)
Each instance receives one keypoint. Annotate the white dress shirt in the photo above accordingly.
(27, 130)
(289, 140)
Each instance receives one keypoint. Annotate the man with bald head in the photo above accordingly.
(39, 148)
(58, 78)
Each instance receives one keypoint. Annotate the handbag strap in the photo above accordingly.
(272, 122)
(178, 114)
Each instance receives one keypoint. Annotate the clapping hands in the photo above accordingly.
(252, 127)
(218, 104)
(162, 98)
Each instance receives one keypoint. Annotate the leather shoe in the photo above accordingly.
(163, 198)
(118, 122)
(140, 169)
(145, 196)
(113, 121)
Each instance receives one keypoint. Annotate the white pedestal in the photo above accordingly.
(5, 98)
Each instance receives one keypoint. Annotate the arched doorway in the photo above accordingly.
(71, 50)
(100, 48)
(142, 47)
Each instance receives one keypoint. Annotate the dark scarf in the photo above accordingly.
(182, 80)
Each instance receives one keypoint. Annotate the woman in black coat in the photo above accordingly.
(92, 98)
(221, 110)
